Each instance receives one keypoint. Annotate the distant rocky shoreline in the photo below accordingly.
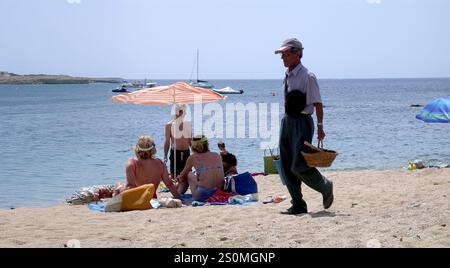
(11, 78)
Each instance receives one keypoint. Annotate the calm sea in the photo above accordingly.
(55, 139)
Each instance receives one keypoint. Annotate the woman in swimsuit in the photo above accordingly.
(208, 175)
(146, 168)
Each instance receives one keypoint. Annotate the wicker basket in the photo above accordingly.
(317, 156)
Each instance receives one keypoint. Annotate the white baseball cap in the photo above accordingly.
(288, 44)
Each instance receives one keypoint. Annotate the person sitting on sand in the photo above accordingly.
(146, 168)
(208, 176)
(229, 162)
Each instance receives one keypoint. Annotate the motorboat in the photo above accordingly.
(228, 90)
(151, 84)
(207, 85)
(129, 84)
(121, 89)
(125, 87)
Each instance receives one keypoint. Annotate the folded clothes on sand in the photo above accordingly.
(91, 194)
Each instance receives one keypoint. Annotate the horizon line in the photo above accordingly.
(327, 78)
(183, 79)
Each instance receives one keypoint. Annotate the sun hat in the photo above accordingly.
(145, 140)
(199, 139)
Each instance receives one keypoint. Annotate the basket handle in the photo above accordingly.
(311, 146)
(271, 151)
(320, 144)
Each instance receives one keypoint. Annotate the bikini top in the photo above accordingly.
(202, 168)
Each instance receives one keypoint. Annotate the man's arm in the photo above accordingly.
(319, 114)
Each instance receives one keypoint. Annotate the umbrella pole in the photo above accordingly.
(175, 153)
(175, 143)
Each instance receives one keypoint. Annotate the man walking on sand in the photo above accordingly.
(302, 95)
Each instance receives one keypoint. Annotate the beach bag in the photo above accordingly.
(241, 184)
(269, 164)
(138, 198)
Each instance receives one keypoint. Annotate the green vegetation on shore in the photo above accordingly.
(11, 78)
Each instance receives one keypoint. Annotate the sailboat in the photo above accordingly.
(207, 85)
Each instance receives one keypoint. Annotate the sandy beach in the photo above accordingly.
(391, 208)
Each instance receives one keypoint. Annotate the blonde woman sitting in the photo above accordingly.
(208, 175)
(146, 168)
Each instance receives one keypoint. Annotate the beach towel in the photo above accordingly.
(100, 206)
(203, 193)
(243, 199)
(220, 196)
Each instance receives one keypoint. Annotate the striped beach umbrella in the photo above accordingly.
(437, 111)
(178, 93)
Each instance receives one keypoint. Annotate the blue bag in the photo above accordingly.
(241, 184)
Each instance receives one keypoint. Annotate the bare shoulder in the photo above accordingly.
(131, 161)
(159, 161)
(216, 155)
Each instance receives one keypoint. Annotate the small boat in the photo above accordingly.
(133, 84)
(207, 85)
(228, 90)
(151, 84)
(121, 89)
(202, 84)
(128, 84)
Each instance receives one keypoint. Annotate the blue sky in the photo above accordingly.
(236, 38)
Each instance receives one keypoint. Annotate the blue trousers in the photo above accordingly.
(294, 132)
